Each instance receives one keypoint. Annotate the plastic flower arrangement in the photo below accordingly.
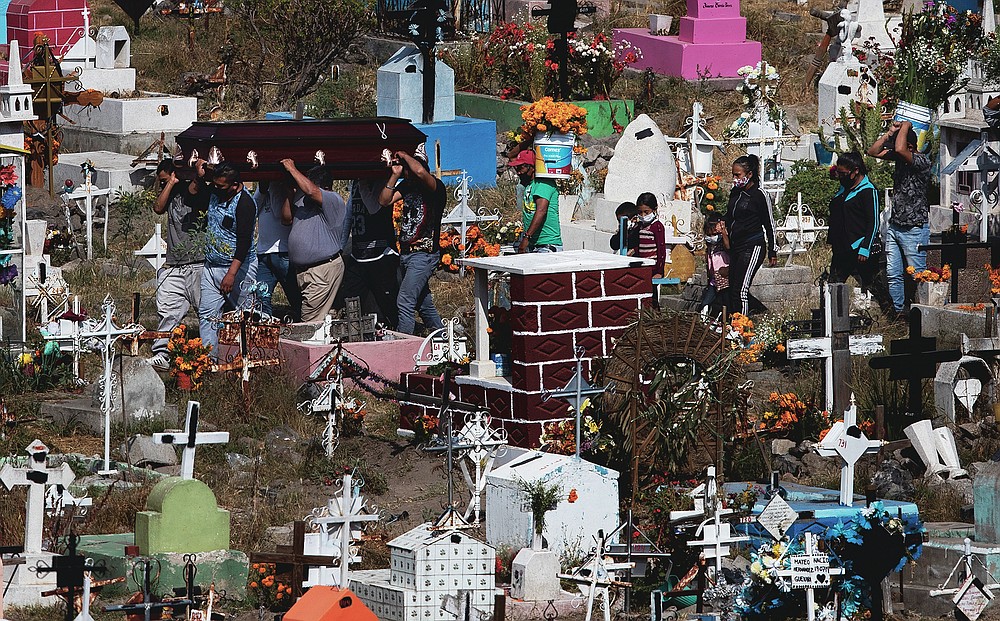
(187, 355)
(425, 427)
(560, 436)
(352, 417)
(264, 587)
(475, 245)
(931, 274)
(596, 64)
(759, 89)
(8, 202)
(546, 115)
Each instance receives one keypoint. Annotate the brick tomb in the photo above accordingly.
(558, 302)
(61, 20)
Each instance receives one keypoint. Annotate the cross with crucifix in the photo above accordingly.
(103, 335)
(836, 345)
(294, 556)
(190, 439)
(562, 16)
(148, 603)
(577, 390)
(341, 523)
(73, 572)
(847, 441)
(913, 359)
(954, 247)
(35, 476)
(428, 22)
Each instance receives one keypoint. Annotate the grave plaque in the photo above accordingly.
(809, 571)
(777, 517)
(972, 599)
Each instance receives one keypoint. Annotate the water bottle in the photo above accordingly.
(498, 360)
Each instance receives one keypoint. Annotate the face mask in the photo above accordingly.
(742, 182)
(713, 239)
(648, 218)
(845, 179)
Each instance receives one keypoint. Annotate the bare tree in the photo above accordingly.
(281, 50)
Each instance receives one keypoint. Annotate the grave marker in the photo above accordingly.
(35, 476)
(428, 19)
(955, 252)
(809, 571)
(295, 556)
(576, 389)
(191, 438)
(777, 517)
(971, 595)
(562, 16)
(596, 576)
(346, 516)
(73, 572)
(848, 442)
(913, 359)
(148, 603)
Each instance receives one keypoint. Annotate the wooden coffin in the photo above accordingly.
(350, 148)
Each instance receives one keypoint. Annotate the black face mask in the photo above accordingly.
(845, 179)
(220, 192)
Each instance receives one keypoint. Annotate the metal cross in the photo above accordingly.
(847, 441)
(970, 595)
(341, 523)
(147, 605)
(955, 252)
(800, 229)
(484, 445)
(577, 390)
(596, 576)
(562, 21)
(444, 346)
(191, 438)
(35, 476)
(73, 572)
(428, 22)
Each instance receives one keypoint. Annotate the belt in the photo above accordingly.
(551, 247)
(309, 266)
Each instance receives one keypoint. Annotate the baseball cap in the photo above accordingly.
(524, 157)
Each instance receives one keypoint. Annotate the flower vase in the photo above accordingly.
(185, 381)
(554, 154)
(932, 293)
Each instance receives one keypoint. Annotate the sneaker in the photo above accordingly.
(159, 361)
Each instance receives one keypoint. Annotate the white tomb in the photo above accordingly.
(400, 87)
(105, 62)
(426, 568)
(844, 80)
(571, 525)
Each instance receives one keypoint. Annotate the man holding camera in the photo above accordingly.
(908, 222)
(424, 198)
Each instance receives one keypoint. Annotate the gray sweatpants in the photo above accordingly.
(178, 290)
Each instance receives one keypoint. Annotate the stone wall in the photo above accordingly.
(778, 288)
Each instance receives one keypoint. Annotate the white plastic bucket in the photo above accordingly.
(920, 118)
(554, 154)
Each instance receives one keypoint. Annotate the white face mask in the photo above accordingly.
(649, 217)
(713, 239)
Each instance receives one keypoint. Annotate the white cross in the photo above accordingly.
(85, 601)
(462, 214)
(485, 444)
(155, 249)
(810, 570)
(190, 439)
(444, 346)
(595, 576)
(716, 534)
(342, 521)
(970, 595)
(87, 194)
(102, 335)
(53, 291)
(800, 229)
(36, 475)
(848, 442)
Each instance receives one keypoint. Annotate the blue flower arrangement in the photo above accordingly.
(10, 197)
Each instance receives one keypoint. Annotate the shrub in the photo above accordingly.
(816, 186)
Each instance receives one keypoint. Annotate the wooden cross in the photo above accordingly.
(954, 247)
(562, 16)
(847, 441)
(294, 556)
(836, 345)
(35, 476)
(913, 359)
(428, 22)
(72, 572)
(190, 439)
(148, 335)
(346, 517)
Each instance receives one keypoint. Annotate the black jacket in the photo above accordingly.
(750, 220)
(854, 219)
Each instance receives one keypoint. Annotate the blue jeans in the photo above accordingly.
(273, 268)
(415, 270)
(900, 252)
(213, 301)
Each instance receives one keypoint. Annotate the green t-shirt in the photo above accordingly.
(549, 233)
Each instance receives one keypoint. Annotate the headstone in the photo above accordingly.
(534, 575)
(400, 87)
(142, 388)
(644, 163)
(871, 18)
(844, 80)
(114, 48)
(143, 451)
(15, 104)
(181, 516)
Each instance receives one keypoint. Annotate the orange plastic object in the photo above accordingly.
(326, 603)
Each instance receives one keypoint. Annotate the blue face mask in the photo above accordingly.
(713, 239)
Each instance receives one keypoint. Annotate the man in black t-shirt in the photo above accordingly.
(423, 197)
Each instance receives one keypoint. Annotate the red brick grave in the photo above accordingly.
(558, 302)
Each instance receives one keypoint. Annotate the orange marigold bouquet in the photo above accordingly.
(994, 274)
(188, 356)
(264, 587)
(931, 274)
(547, 115)
(475, 245)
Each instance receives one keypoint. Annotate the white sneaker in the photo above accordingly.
(159, 361)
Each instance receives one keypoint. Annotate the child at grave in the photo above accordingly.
(630, 212)
(652, 235)
(717, 261)
(424, 198)
(854, 223)
(749, 221)
(178, 282)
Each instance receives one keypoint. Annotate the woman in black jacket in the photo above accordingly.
(750, 222)
(854, 229)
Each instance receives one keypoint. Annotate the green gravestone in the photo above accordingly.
(181, 516)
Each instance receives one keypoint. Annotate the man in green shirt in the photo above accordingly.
(539, 207)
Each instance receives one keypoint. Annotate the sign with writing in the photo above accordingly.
(972, 599)
(777, 517)
(713, 9)
(809, 571)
